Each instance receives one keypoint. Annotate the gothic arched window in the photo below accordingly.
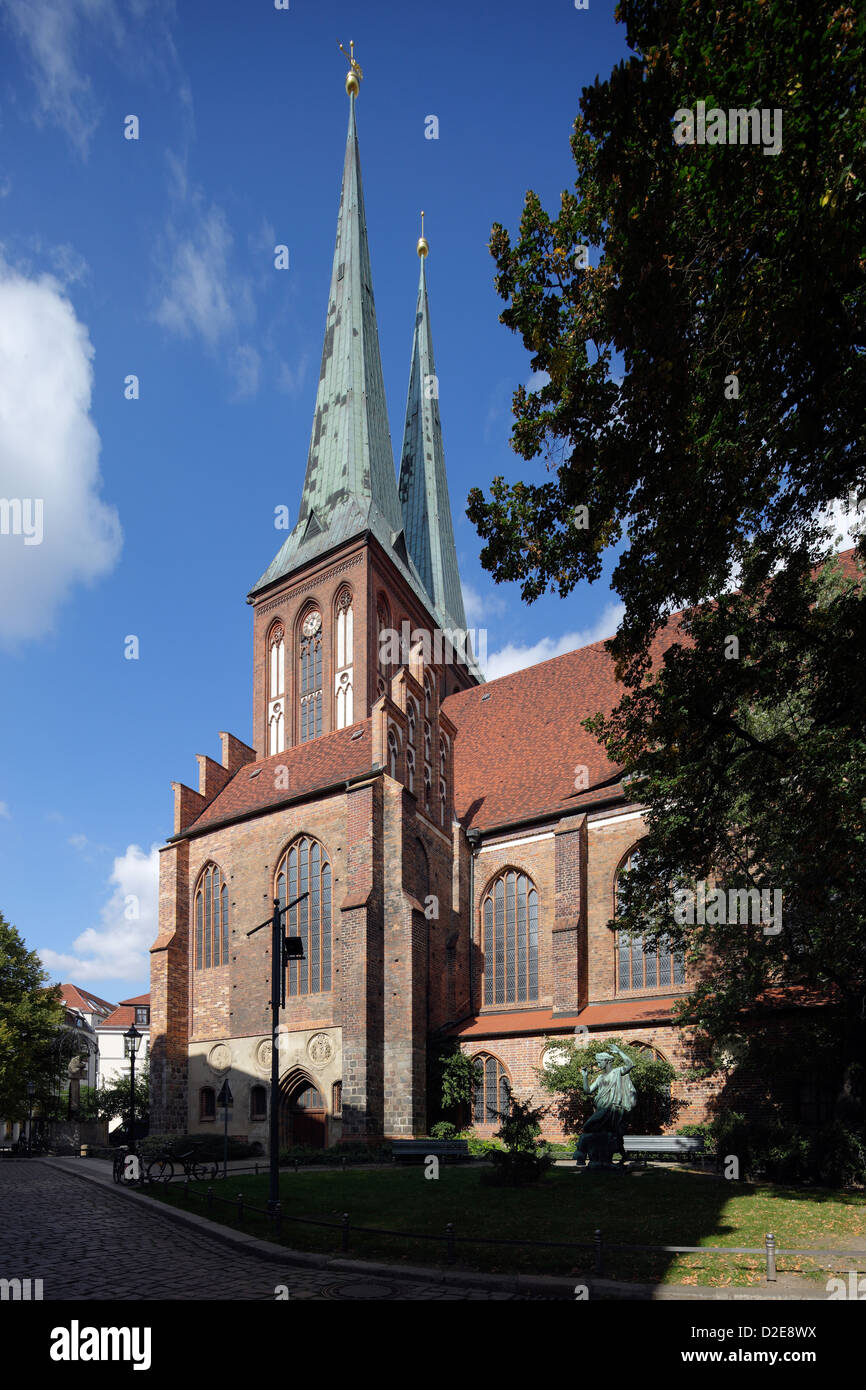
(343, 663)
(493, 1091)
(304, 868)
(211, 919)
(644, 964)
(509, 917)
(276, 689)
(410, 768)
(393, 753)
(310, 684)
(411, 720)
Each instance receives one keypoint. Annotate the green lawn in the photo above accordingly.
(649, 1206)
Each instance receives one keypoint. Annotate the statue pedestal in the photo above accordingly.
(597, 1148)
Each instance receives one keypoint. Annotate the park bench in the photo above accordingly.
(663, 1144)
(408, 1150)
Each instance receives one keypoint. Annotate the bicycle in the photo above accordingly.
(161, 1168)
(126, 1167)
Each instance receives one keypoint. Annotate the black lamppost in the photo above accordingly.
(283, 949)
(131, 1041)
(31, 1091)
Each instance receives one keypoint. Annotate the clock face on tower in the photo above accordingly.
(312, 624)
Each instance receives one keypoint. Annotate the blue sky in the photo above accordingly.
(155, 258)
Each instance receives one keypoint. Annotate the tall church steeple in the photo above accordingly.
(350, 484)
(423, 482)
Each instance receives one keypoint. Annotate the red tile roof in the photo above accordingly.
(543, 1021)
(520, 743)
(75, 998)
(334, 757)
(123, 1016)
(142, 1000)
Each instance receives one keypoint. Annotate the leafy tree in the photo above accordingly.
(459, 1075)
(753, 775)
(706, 262)
(651, 1077)
(111, 1102)
(30, 1016)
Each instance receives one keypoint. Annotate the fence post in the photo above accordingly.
(599, 1257)
(345, 1232)
(241, 1207)
(770, 1243)
(449, 1242)
(210, 1199)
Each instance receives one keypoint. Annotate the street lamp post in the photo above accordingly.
(31, 1091)
(131, 1042)
(283, 949)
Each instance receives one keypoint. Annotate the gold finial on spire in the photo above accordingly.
(423, 248)
(354, 75)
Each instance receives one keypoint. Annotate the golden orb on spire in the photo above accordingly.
(423, 246)
(354, 75)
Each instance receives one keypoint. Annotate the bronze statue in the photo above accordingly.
(614, 1094)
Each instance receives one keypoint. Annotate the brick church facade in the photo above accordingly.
(458, 841)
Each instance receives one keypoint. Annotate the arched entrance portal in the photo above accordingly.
(303, 1118)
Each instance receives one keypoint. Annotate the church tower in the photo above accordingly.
(344, 804)
(359, 575)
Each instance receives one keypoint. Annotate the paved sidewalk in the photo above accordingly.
(87, 1238)
(418, 1282)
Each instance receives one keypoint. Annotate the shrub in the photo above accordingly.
(443, 1129)
(523, 1159)
(781, 1151)
(333, 1158)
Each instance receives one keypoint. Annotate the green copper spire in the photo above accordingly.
(350, 484)
(423, 483)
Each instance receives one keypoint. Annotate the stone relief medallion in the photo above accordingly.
(263, 1054)
(220, 1057)
(320, 1049)
(553, 1057)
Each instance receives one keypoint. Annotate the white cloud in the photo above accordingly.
(118, 949)
(196, 294)
(201, 295)
(49, 453)
(290, 380)
(5, 813)
(480, 608)
(58, 38)
(515, 658)
(845, 523)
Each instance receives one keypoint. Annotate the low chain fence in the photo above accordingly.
(276, 1218)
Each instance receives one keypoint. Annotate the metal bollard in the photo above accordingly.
(257, 1170)
(770, 1243)
(296, 1165)
(449, 1243)
(599, 1256)
(186, 1193)
(210, 1199)
(278, 1218)
(345, 1232)
(241, 1207)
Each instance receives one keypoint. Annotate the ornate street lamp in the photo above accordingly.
(131, 1043)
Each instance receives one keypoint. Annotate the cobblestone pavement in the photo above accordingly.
(85, 1242)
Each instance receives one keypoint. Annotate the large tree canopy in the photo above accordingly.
(707, 261)
(30, 1017)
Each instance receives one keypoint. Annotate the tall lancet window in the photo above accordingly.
(211, 919)
(276, 689)
(509, 919)
(304, 868)
(443, 780)
(383, 655)
(343, 666)
(311, 676)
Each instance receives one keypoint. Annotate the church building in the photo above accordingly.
(458, 841)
